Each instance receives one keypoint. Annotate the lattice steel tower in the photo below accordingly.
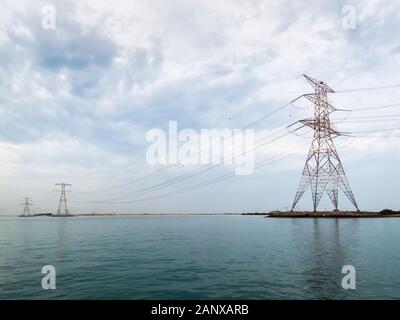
(62, 207)
(323, 170)
(27, 203)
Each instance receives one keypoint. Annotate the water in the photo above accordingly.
(199, 257)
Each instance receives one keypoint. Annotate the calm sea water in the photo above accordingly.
(199, 257)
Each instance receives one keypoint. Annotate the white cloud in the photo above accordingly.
(81, 98)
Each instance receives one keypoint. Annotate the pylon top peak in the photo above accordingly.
(318, 83)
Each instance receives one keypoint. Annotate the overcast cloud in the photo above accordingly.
(76, 102)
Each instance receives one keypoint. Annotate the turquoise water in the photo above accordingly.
(199, 257)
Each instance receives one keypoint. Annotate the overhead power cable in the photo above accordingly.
(387, 106)
(167, 183)
(368, 89)
(130, 182)
(198, 171)
(372, 131)
(202, 184)
(267, 115)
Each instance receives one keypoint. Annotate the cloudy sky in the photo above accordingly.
(76, 101)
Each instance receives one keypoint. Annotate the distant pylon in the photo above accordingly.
(323, 170)
(27, 203)
(62, 207)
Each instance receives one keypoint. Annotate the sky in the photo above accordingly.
(77, 100)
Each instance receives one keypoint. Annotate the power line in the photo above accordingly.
(372, 131)
(366, 121)
(202, 184)
(269, 114)
(130, 182)
(198, 171)
(375, 116)
(376, 107)
(257, 166)
(380, 136)
(369, 119)
(368, 89)
(209, 167)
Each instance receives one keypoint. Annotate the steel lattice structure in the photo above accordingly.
(62, 207)
(323, 170)
(27, 203)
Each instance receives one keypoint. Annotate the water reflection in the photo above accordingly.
(324, 252)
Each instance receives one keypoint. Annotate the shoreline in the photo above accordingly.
(129, 215)
(272, 214)
(332, 214)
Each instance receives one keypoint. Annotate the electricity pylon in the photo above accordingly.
(62, 207)
(27, 203)
(323, 170)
